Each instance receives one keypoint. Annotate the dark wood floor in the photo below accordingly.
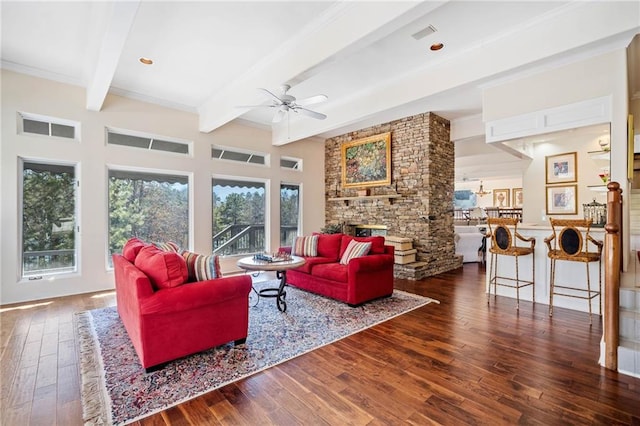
(460, 362)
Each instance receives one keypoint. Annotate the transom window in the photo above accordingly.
(223, 153)
(291, 163)
(47, 126)
(152, 143)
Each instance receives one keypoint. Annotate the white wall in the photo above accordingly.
(588, 169)
(595, 77)
(21, 93)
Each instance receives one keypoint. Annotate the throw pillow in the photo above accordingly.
(355, 249)
(168, 246)
(305, 246)
(201, 267)
(131, 249)
(377, 243)
(165, 269)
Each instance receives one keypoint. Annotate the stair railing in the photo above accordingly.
(612, 267)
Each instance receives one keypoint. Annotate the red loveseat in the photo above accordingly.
(361, 280)
(169, 323)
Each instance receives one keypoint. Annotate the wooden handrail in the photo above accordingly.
(612, 262)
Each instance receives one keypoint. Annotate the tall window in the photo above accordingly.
(48, 219)
(289, 213)
(150, 206)
(238, 216)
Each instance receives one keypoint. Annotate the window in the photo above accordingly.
(48, 219)
(221, 153)
(238, 216)
(289, 213)
(291, 163)
(151, 206)
(146, 142)
(46, 126)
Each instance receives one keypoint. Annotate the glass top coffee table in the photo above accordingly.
(280, 267)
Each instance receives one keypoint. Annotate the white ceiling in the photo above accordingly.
(210, 56)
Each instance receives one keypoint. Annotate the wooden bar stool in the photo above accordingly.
(504, 244)
(570, 245)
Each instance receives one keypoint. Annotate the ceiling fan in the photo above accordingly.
(285, 103)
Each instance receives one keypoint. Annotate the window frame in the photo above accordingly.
(299, 224)
(267, 206)
(151, 137)
(21, 278)
(145, 170)
(298, 162)
(21, 116)
(265, 155)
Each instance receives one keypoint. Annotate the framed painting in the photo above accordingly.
(561, 168)
(516, 197)
(562, 199)
(501, 198)
(367, 162)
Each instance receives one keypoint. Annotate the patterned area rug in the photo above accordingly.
(116, 390)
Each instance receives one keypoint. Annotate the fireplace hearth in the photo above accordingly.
(368, 230)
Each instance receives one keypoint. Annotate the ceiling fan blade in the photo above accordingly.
(310, 113)
(312, 100)
(278, 116)
(268, 93)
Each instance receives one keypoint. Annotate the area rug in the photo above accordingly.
(116, 390)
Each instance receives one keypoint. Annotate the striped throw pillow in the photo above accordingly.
(355, 249)
(168, 246)
(201, 267)
(305, 246)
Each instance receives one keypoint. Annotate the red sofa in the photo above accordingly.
(169, 323)
(363, 279)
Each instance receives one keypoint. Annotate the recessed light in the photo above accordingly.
(146, 61)
(436, 46)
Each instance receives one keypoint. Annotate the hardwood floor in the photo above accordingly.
(460, 362)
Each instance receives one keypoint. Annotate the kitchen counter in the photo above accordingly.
(567, 272)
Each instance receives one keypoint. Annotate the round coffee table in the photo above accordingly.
(280, 267)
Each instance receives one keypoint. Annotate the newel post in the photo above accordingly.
(612, 258)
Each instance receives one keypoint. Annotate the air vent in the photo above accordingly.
(425, 32)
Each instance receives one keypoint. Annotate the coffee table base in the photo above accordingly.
(277, 292)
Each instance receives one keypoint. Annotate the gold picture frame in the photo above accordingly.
(562, 199)
(561, 168)
(501, 198)
(367, 162)
(517, 197)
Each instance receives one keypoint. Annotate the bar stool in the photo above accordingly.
(569, 245)
(504, 244)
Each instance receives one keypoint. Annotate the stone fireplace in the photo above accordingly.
(421, 202)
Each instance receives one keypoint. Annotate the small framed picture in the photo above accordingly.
(561, 168)
(562, 199)
(500, 198)
(516, 197)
